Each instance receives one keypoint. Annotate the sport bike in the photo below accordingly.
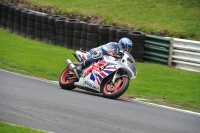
(110, 75)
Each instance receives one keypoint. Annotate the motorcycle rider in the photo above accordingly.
(111, 48)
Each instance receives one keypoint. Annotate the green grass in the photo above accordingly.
(32, 57)
(178, 18)
(10, 128)
(157, 83)
(167, 85)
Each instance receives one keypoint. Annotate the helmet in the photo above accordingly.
(126, 44)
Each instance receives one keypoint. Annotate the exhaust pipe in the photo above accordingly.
(72, 67)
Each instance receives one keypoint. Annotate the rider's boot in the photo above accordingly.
(82, 66)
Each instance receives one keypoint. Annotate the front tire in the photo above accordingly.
(67, 80)
(115, 90)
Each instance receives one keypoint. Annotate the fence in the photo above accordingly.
(157, 49)
(180, 53)
(186, 54)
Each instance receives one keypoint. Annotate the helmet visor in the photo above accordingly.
(128, 49)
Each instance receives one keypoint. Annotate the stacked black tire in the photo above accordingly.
(17, 20)
(104, 34)
(60, 30)
(38, 26)
(4, 14)
(77, 40)
(120, 33)
(23, 27)
(1, 4)
(83, 41)
(138, 39)
(10, 19)
(45, 28)
(52, 29)
(113, 34)
(30, 30)
(92, 36)
(69, 32)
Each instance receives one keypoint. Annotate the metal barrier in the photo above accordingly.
(186, 54)
(157, 49)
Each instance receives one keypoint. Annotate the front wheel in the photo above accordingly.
(67, 79)
(115, 90)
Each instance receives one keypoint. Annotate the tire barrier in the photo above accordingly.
(60, 30)
(77, 36)
(17, 20)
(1, 4)
(69, 32)
(10, 19)
(91, 42)
(138, 39)
(38, 26)
(4, 15)
(64, 31)
(104, 34)
(30, 30)
(23, 27)
(112, 34)
(45, 28)
(122, 33)
(83, 41)
(52, 29)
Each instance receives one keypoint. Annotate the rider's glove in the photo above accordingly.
(112, 53)
(121, 52)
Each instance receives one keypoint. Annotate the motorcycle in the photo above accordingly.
(110, 75)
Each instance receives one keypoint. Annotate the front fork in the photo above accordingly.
(118, 75)
(114, 77)
(72, 67)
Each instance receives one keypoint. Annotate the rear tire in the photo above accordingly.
(67, 82)
(116, 90)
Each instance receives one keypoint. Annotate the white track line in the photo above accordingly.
(129, 99)
(167, 107)
(32, 77)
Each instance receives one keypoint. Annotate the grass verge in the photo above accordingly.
(175, 18)
(158, 83)
(11, 128)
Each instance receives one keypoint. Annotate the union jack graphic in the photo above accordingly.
(97, 74)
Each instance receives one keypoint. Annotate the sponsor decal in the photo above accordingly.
(90, 85)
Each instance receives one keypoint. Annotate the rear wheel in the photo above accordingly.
(67, 79)
(115, 90)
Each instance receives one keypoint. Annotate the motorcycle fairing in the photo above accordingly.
(82, 55)
(100, 70)
(94, 74)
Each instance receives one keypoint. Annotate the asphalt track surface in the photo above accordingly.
(44, 105)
